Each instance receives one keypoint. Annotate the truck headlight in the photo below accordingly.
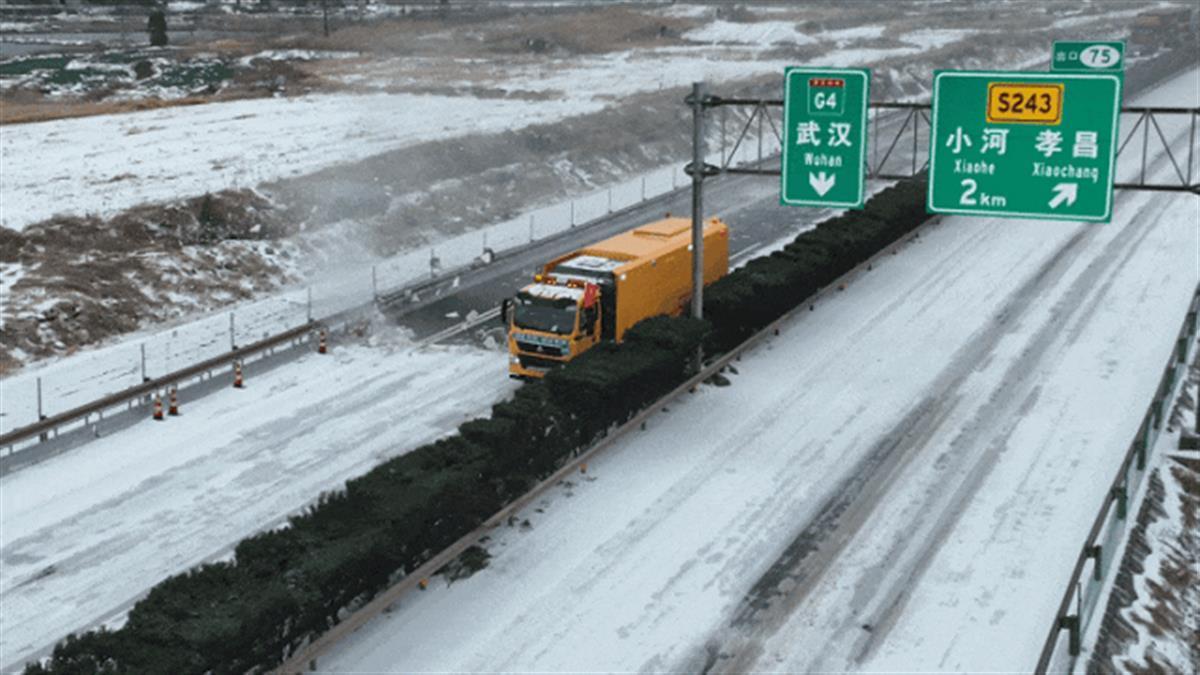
(514, 360)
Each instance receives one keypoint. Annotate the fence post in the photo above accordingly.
(531, 228)
(142, 348)
(610, 199)
(43, 437)
(374, 284)
(1071, 623)
(232, 339)
(643, 188)
(572, 213)
(308, 310)
(1122, 496)
(1096, 553)
(1141, 444)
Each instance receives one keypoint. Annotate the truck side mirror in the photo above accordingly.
(505, 310)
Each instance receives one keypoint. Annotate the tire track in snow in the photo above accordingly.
(788, 581)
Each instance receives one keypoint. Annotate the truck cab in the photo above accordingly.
(560, 315)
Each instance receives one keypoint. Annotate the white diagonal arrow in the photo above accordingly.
(821, 182)
(1064, 192)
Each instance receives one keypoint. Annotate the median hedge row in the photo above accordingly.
(288, 585)
(744, 302)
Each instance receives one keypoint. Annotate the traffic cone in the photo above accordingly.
(158, 414)
(237, 374)
(321, 342)
(174, 407)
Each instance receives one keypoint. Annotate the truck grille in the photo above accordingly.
(537, 349)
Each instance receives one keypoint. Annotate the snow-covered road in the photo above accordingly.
(85, 534)
(900, 481)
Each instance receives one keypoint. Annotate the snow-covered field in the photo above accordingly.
(906, 487)
(84, 534)
(104, 164)
(108, 163)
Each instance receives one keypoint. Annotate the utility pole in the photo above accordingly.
(697, 101)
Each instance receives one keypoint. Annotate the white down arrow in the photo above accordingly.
(821, 182)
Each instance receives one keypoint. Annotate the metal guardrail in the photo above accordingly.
(1080, 600)
(306, 658)
(52, 423)
(460, 327)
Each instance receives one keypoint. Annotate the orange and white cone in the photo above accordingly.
(158, 413)
(237, 375)
(173, 409)
(321, 342)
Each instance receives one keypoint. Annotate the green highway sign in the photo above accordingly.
(1023, 145)
(824, 136)
(1088, 57)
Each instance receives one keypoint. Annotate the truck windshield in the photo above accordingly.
(545, 314)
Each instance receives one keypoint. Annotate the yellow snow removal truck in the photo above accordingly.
(598, 292)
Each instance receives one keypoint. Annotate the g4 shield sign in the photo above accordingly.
(1023, 145)
(824, 136)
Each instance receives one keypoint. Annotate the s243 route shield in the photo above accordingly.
(824, 136)
(1024, 145)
